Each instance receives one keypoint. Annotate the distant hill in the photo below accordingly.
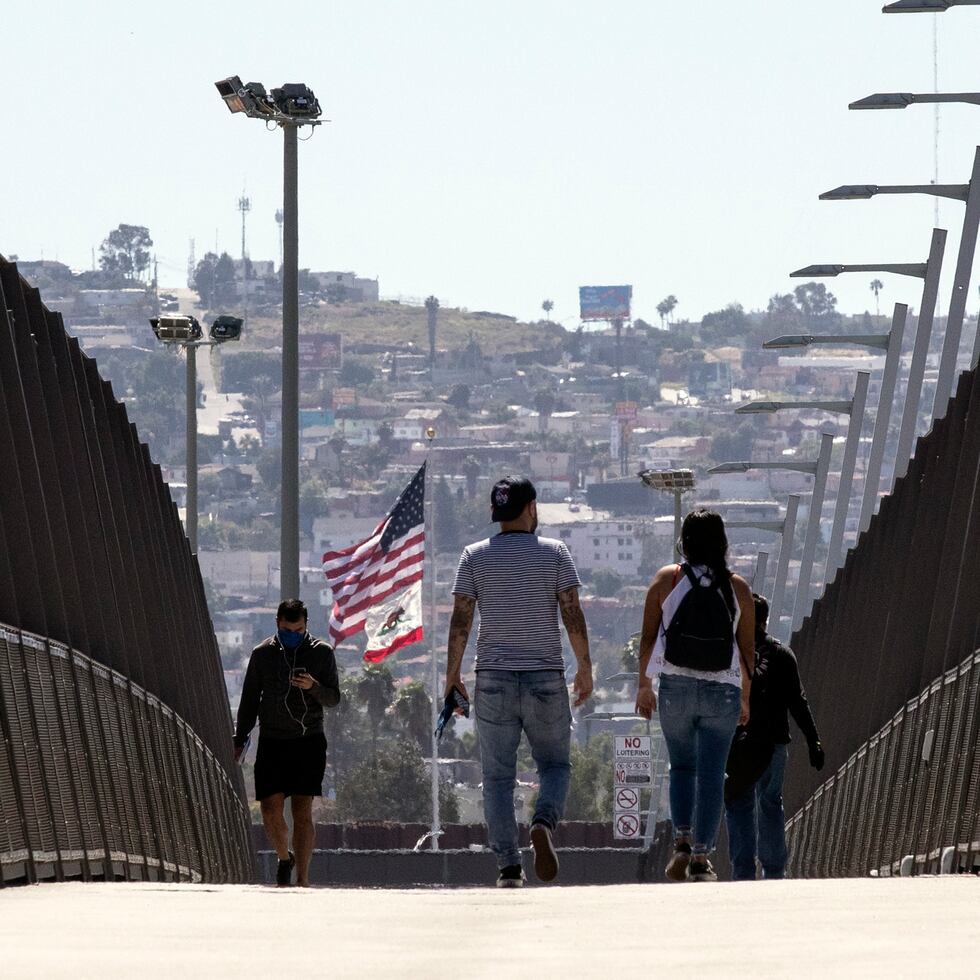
(397, 325)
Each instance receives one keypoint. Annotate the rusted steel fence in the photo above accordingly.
(889, 657)
(115, 749)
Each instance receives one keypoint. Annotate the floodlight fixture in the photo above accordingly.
(176, 329)
(233, 92)
(915, 269)
(296, 100)
(669, 480)
(226, 328)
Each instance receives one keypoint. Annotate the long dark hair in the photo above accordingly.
(704, 542)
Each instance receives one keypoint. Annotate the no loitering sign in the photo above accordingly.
(632, 769)
(632, 761)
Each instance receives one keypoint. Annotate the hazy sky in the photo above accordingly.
(495, 154)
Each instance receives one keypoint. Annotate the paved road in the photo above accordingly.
(923, 927)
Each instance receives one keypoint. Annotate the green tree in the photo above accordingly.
(125, 253)
(214, 280)
(412, 710)
(393, 785)
(547, 306)
(354, 374)
(815, 301)
(665, 307)
(544, 405)
(725, 325)
(876, 287)
(590, 789)
(459, 397)
(376, 691)
(606, 582)
(731, 445)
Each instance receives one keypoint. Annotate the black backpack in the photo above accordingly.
(701, 634)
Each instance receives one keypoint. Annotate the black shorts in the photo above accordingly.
(291, 766)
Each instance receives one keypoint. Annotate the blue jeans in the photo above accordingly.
(757, 825)
(507, 703)
(698, 719)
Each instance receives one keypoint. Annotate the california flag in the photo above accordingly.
(394, 623)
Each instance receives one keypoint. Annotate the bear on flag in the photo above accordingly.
(377, 583)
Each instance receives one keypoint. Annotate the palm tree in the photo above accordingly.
(876, 287)
(376, 690)
(547, 306)
(671, 302)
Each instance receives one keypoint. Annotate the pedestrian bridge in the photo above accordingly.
(910, 927)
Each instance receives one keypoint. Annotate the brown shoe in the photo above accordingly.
(676, 869)
(545, 857)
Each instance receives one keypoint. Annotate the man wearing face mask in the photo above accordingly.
(290, 678)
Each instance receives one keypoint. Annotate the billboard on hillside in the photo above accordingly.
(604, 302)
(321, 352)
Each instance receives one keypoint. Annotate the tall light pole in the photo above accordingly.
(929, 271)
(185, 332)
(819, 468)
(970, 193)
(291, 106)
(435, 830)
(855, 409)
(787, 529)
(891, 343)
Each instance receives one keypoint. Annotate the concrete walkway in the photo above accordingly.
(921, 927)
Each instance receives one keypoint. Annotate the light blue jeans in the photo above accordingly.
(509, 702)
(698, 719)
(757, 824)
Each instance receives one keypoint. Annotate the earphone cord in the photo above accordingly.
(285, 701)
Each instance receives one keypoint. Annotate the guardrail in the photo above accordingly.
(116, 756)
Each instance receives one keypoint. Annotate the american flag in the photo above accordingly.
(371, 574)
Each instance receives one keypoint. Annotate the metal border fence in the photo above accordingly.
(889, 656)
(116, 757)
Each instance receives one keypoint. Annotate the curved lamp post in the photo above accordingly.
(855, 409)
(891, 343)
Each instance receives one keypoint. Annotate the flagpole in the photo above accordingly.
(435, 830)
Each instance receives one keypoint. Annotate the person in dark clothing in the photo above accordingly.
(290, 678)
(757, 760)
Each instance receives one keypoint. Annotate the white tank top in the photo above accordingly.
(658, 665)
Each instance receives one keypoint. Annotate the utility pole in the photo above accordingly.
(279, 223)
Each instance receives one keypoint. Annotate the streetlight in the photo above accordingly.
(891, 342)
(970, 194)
(291, 106)
(819, 468)
(787, 529)
(929, 272)
(925, 6)
(855, 409)
(185, 332)
(902, 100)
(677, 482)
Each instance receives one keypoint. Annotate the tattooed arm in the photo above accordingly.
(459, 633)
(578, 635)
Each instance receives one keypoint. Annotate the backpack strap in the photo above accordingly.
(695, 582)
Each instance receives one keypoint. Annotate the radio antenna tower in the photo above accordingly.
(244, 205)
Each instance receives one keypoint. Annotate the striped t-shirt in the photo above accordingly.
(515, 578)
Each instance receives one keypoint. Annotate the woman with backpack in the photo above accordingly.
(697, 644)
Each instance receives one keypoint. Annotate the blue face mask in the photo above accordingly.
(291, 639)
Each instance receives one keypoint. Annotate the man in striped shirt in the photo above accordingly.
(520, 583)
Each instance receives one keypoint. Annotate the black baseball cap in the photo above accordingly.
(510, 496)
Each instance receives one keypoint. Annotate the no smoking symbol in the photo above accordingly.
(626, 799)
(628, 824)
